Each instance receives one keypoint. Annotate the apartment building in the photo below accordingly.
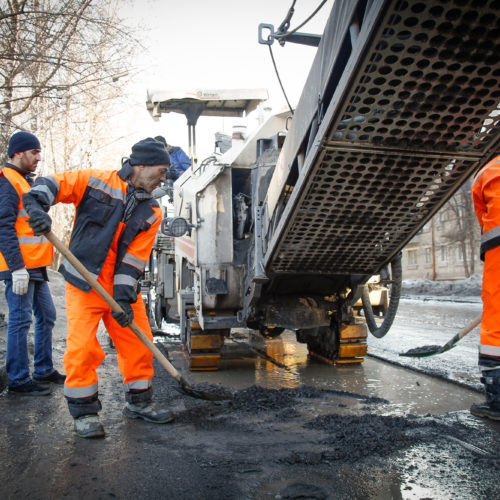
(447, 247)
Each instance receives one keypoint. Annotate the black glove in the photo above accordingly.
(39, 220)
(171, 174)
(123, 318)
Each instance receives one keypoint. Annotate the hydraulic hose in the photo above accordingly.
(395, 294)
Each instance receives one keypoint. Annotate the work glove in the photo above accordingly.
(172, 174)
(20, 281)
(39, 220)
(126, 317)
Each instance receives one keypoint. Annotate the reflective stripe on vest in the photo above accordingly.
(123, 279)
(134, 261)
(70, 269)
(138, 385)
(46, 190)
(36, 251)
(80, 392)
(103, 186)
(489, 350)
(490, 239)
(483, 170)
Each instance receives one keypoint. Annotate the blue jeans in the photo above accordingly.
(39, 300)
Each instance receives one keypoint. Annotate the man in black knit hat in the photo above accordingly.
(113, 233)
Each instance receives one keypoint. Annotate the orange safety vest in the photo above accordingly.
(486, 198)
(37, 251)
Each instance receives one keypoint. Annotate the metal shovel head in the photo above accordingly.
(421, 352)
(215, 394)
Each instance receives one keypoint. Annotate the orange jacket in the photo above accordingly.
(36, 251)
(486, 198)
(99, 197)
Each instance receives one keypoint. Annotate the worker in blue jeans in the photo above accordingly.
(24, 258)
(39, 300)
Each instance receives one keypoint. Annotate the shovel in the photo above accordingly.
(184, 387)
(430, 350)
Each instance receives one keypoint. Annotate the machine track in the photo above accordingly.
(349, 346)
(203, 347)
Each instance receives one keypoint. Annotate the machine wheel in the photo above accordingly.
(333, 346)
(161, 310)
(158, 312)
(323, 342)
(394, 281)
(271, 332)
(203, 347)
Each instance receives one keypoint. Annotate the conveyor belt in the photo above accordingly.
(417, 114)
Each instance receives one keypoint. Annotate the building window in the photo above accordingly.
(459, 256)
(443, 254)
(412, 258)
(428, 255)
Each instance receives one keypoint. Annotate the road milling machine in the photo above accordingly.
(285, 231)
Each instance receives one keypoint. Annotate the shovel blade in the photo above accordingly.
(422, 352)
(216, 395)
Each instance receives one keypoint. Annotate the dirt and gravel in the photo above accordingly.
(302, 442)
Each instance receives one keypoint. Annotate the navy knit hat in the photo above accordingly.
(22, 141)
(149, 152)
(161, 139)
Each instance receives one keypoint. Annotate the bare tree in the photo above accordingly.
(52, 50)
(465, 231)
(63, 67)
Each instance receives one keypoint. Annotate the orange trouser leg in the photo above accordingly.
(490, 324)
(83, 353)
(134, 358)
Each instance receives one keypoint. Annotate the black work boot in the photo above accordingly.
(30, 388)
(84, 411)
(491, 407)
(55, 377)
(485, 410)
(139, 405)
(89, 426)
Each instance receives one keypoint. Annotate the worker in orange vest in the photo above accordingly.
(486, 197)
(115, 225)
(24, 258)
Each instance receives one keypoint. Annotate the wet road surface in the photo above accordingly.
(408, 391)
(309, 430)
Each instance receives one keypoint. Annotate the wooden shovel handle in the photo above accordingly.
(66, 252)
(467, 328)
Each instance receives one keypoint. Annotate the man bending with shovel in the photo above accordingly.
(113, 233)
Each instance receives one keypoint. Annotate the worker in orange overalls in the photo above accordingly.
(115, 224)
(486, 197)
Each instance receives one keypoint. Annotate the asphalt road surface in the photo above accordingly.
(376, 430)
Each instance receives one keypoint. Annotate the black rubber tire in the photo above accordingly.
(395, 294)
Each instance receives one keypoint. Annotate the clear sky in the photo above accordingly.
(213, 44)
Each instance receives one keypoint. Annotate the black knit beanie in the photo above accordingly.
(161, 139)
(22, 141)
(149, 152)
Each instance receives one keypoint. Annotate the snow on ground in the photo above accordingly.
(468, 290)
(430, 314)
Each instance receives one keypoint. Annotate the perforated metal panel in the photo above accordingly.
(420, 113)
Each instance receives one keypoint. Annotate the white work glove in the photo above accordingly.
(20, 280)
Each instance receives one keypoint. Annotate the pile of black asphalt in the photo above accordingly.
(311, 429)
